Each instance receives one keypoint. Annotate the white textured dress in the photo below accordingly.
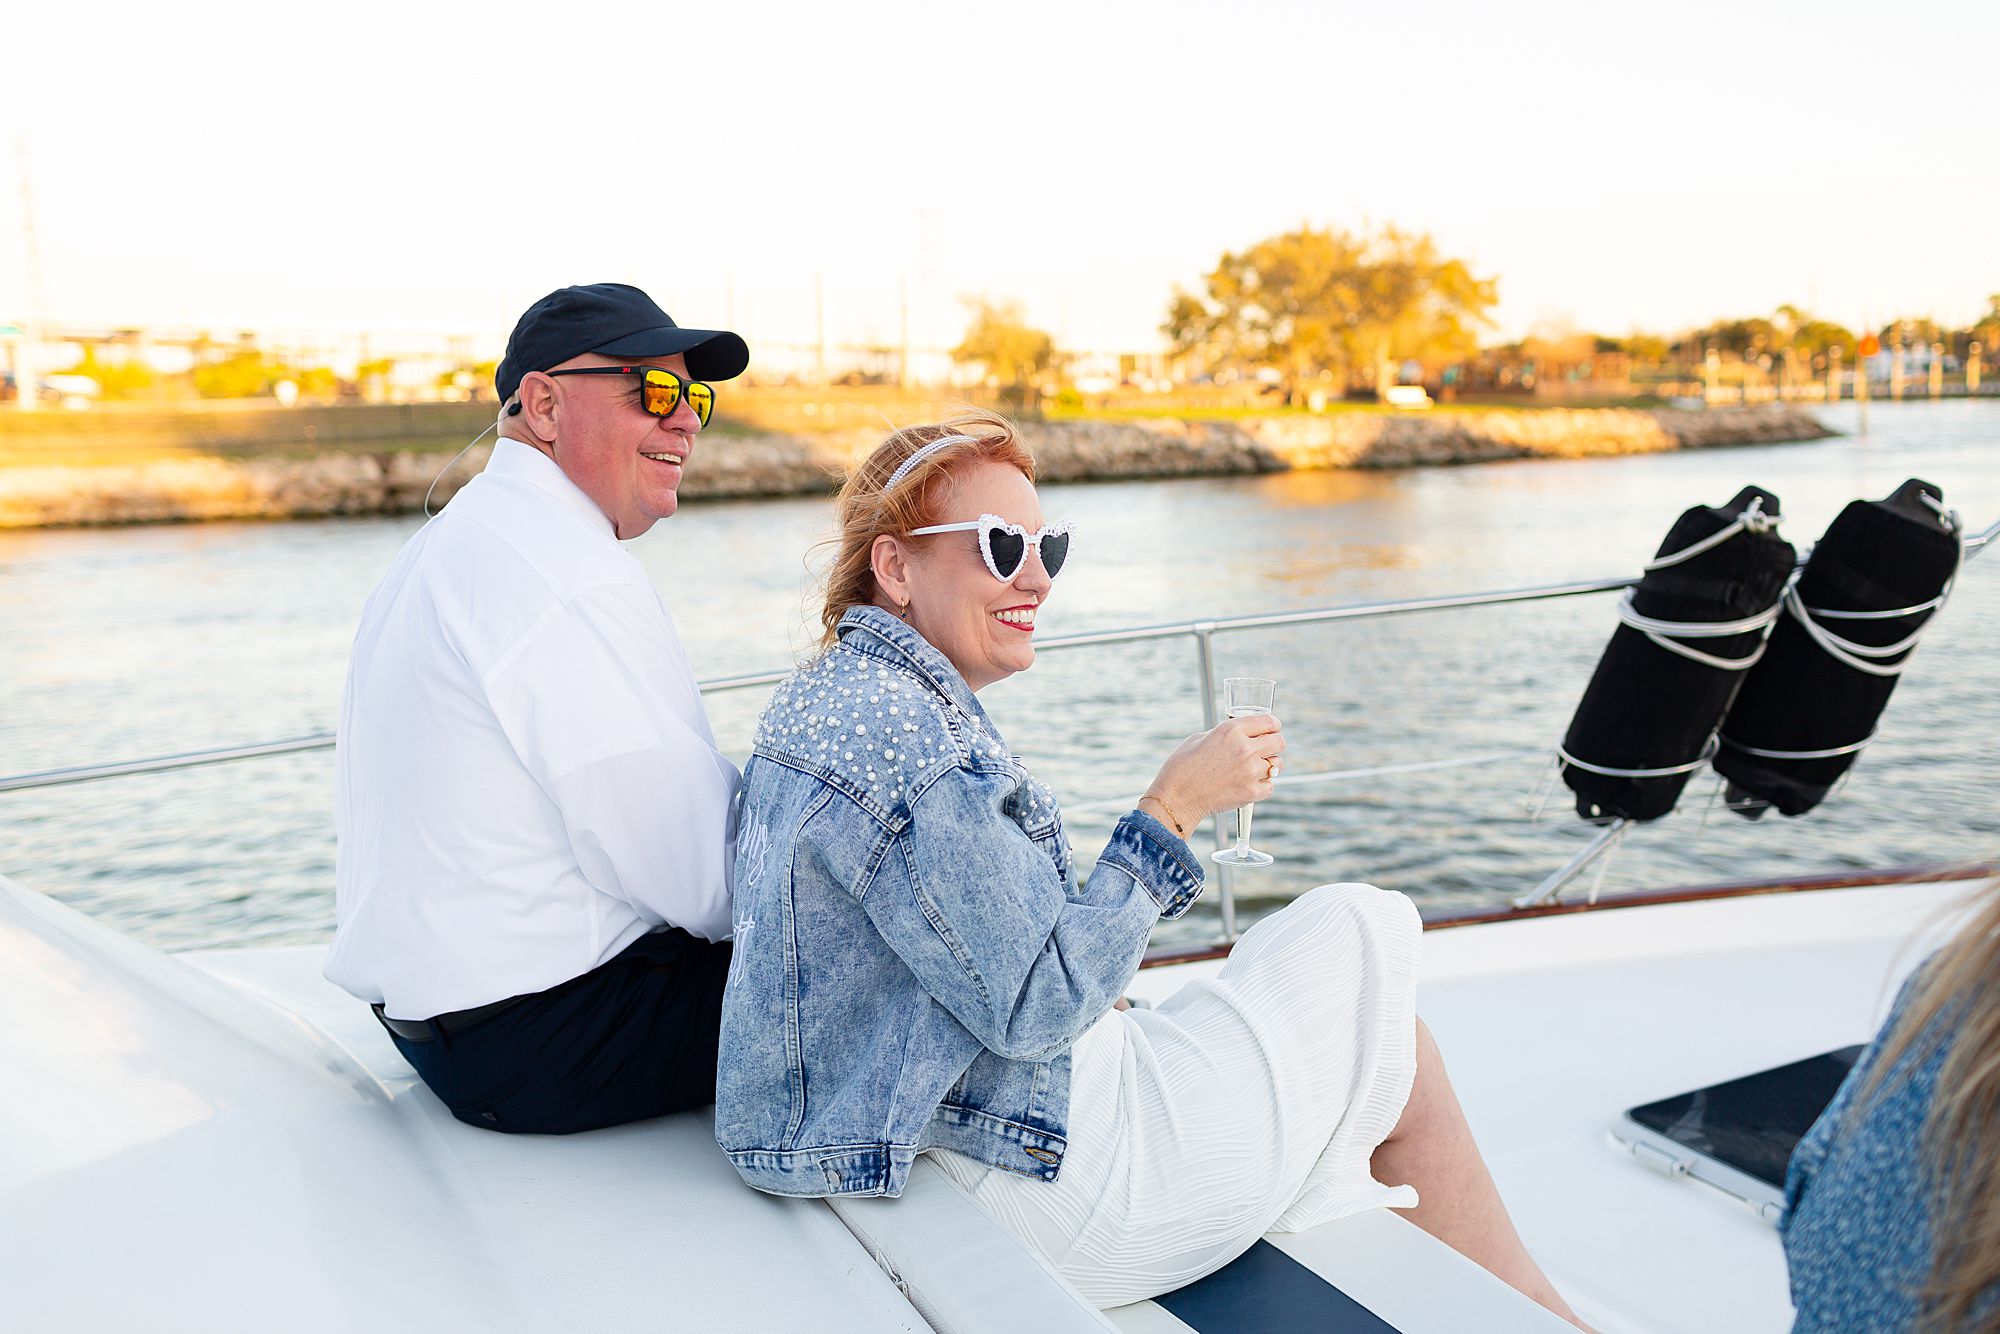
(1244, 1104)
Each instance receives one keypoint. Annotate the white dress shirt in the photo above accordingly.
(525, 780)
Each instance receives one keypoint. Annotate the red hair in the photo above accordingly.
(864, 511)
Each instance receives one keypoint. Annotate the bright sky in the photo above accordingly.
(408, 167)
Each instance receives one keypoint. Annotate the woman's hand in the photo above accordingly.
(1229, 765)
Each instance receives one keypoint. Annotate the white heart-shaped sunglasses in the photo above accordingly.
(1004, 545)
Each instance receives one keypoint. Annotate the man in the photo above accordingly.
(535, 826)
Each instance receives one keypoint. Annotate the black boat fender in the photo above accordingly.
(1870, 588)
(1690, 628)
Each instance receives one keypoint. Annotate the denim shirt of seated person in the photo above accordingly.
(913, 955)
(1857, 1226)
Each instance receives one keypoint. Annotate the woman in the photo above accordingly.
(1893, 1197)
(905, 903)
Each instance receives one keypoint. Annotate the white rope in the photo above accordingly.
(1694, 629)
(1658, 631)
(1751, 520)
(1830, 614)
(1668, 771)
(1847, 651)
(1867, 658)
(1831, 752)
(1856, 655)
(1668, 634)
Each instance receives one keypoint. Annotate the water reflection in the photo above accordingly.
(1323, 490)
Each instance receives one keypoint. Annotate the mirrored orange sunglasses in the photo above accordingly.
(660, 390)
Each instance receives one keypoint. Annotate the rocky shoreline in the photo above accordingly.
(351, 482)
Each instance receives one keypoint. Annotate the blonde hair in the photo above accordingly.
(864, 511)
(1955, 1005)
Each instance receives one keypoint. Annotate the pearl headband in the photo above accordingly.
(922, 454)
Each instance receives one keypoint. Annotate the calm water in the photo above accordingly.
(122, 643)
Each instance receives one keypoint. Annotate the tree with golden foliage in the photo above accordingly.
(1418, 304)
(1014, 352)
(1329, 300)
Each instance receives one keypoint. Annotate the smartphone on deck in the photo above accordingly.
(1736, 1137)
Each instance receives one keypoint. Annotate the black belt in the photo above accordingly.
(444, 1025)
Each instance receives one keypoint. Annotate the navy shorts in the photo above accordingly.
(632, 1038)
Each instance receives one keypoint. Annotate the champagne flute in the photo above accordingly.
(1241, 697)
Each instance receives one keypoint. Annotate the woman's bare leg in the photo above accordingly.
(1431, 1148)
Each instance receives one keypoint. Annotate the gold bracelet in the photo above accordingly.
(1172, 819)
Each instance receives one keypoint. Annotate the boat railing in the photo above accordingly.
(1202, 632)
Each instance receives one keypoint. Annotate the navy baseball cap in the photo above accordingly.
(615, 320)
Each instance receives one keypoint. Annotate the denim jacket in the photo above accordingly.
(913, 956)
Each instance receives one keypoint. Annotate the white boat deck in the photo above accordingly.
(174, 1157)
(248, 1143)
(1551, 1028)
